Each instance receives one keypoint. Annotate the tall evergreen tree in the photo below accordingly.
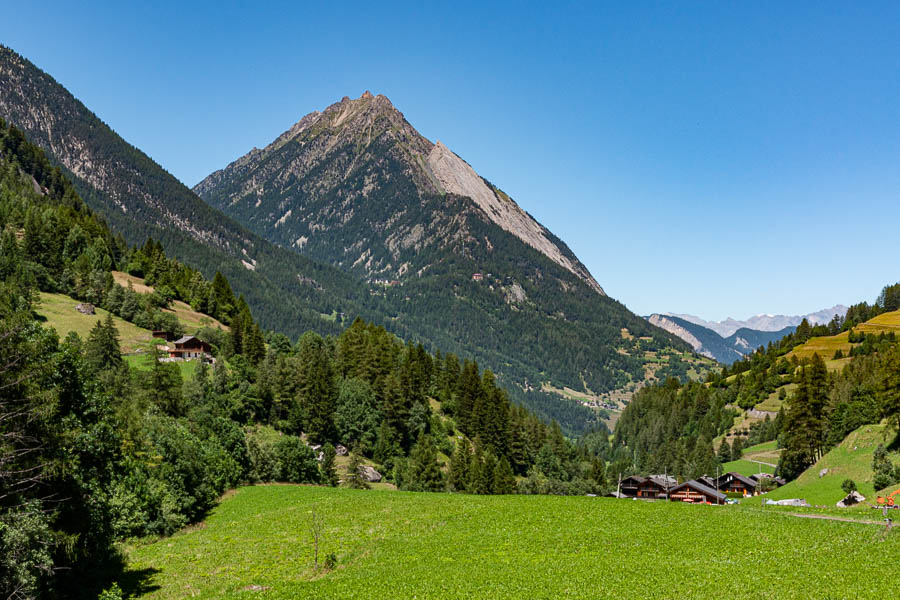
(424, 473)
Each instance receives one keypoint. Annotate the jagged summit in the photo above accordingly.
(355, 149)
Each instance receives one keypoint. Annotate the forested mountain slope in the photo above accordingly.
(535, 316)
(356, 185)
(138, 198)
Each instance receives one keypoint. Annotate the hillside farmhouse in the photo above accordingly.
(190, 348)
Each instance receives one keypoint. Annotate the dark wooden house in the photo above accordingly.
(735, 483)
(164, 335)
(629, 486)
(695, 492)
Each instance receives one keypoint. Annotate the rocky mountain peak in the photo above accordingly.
(354, 151)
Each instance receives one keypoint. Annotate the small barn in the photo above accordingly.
(735, 483)
(164, 335)
(695, 492)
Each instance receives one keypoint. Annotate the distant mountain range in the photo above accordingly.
(730, 340)
(765, 322)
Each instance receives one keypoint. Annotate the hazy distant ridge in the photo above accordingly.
(764, 322)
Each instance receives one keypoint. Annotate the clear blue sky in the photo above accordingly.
(716, 158)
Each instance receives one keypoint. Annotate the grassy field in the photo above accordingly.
(405, 545)
(851, 459)
(745, 467)
(59, 312)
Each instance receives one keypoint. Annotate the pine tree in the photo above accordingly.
(316, 388)
(102, 347)
(725, 450)
(504, 482)
(328, 471)
(598, 473)
(424, 473)
(355, 479)
(458, 478)
(737, 449)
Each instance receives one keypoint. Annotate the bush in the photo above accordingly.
(296, 461)
(848, 486)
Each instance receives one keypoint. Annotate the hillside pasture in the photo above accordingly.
(58, 311)
(257, 543)
(826, 346)
(851, 459)
(190, 318)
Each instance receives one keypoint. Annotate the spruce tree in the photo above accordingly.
(598, 473)
(355, 479)
(328, 471)
(424, 473)
(504, 482)
(725, 450)
(102, 347)
(458, 477)
(737, 448)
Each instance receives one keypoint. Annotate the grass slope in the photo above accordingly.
(851, 459)
(59, 312)
(825, 347)
(407, 545)
(189, 317)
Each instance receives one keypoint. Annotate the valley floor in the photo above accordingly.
(257, 543)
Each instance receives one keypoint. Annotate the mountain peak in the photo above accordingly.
(356, 151)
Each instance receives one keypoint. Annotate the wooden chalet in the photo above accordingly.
(189, 348)
(654, 486)
(695, 492)
(735, 483)
(164, 335)
(707, 481)
(629, 486)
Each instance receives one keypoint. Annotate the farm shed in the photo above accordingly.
(694, 491)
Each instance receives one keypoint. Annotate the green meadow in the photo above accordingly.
(257, 544)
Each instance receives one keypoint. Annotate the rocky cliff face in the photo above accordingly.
(676, 329)
(349, 185)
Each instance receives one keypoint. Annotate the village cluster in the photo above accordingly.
(706, 490)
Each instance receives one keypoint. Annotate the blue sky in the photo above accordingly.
(709, 158)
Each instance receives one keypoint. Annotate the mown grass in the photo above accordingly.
(142, 362)
(851, 459)
(59, 312)
(406, 545)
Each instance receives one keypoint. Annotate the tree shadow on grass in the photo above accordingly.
(894, 444)
(137, 582)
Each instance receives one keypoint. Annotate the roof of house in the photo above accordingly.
(697, 486)
(635, 478)
(664, 480)
(732, 475)
(189, 338)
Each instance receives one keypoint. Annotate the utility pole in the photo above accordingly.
(666, 480)
(619, 487)
(717, 485)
